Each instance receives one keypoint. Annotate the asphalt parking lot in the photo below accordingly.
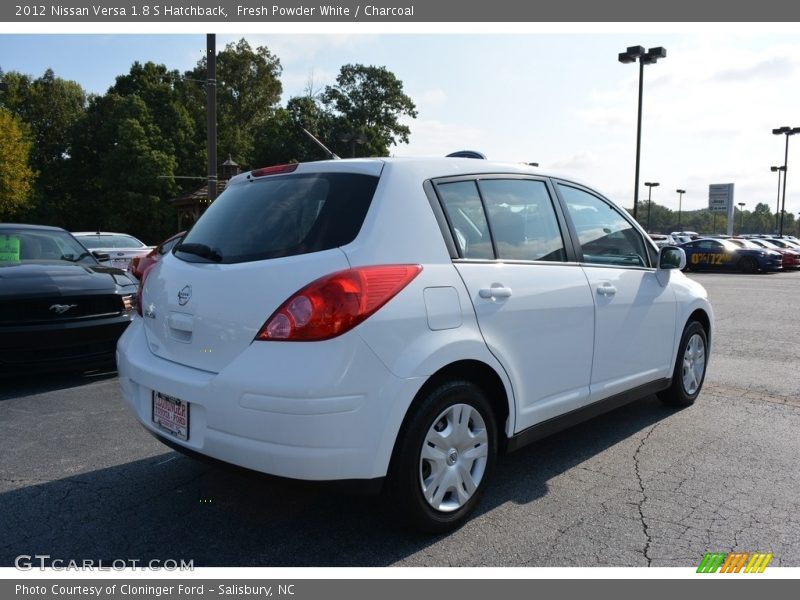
(643, 485)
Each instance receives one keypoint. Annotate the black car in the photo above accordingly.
(724, 255)
(59, 308)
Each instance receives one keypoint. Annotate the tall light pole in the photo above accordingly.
(680, 201)
(211, 114)
(354, 138)
(778, 204)
(650, 187)
(645, 58)
(741, 217)
(787, 131)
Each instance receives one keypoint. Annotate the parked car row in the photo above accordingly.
(60, 309)
(749, 254)
(65, 298)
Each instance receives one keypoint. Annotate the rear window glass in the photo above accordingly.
(110, 241)
(280, 216)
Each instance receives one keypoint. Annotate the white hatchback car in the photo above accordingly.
(401, 322)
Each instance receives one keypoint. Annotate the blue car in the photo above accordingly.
(723, 255)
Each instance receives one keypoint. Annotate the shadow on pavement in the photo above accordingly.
(29, 385)
(173, 507)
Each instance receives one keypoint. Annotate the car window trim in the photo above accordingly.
(622, 212)
(555, 201)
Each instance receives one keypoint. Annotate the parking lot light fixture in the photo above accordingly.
(650, 57)
(778, 203)
(741, 217)
(650, 186)
(680, 201)
(787, 131)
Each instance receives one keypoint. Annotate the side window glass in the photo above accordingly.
(465, 213)
(522, 219)
(605, 236)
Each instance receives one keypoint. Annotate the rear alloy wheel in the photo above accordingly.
(690, 367)
(748, 264)
(446, 457)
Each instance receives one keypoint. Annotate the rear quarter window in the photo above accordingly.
(278, 216)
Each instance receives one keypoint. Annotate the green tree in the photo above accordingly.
(16, 175)
(123, 166)
(50, 107)
(248, 92)
(165, 95)
(368, 101)
(281, 139)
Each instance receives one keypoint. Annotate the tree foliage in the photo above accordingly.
(115, 161)
(760, 220)
(50, 107)
(16, 175)
(368, 101)
(248, 91)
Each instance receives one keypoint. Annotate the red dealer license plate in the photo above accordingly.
(171, 414)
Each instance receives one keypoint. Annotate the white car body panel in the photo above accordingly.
(542, 333)
(639, 315)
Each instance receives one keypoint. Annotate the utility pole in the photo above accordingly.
(211, 113)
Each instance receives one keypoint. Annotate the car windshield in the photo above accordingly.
(745, 244)
(782, 244)
(765, 244)
(727, 245)
(34, 245)
(116, 240)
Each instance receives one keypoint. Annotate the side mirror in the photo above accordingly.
(101, 256)
(671, 257)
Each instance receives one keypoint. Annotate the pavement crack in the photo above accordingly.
(640, 504)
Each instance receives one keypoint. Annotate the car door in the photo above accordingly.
(634, 313)
(533, 305)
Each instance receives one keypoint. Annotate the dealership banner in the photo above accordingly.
(393, 589)
(397, 11)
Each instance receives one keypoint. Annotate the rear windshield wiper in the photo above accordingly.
(73, 258)
(200, 250)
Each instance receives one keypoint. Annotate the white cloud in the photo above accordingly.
(435, 138)
(430, 99)
(299, 48)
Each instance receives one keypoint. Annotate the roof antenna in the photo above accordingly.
(330, 154)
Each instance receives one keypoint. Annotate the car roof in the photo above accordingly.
(101, 233)
(31, 227)
(424, 168)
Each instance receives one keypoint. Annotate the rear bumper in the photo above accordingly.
(318, 411)
(63, 346)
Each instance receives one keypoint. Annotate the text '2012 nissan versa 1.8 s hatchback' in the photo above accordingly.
(401, 322)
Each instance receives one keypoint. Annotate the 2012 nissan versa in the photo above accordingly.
(402, 322)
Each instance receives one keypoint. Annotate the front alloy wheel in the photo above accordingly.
(690, 367)
(694, 364)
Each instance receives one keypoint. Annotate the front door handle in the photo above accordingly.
(606, 289)
(495, 292)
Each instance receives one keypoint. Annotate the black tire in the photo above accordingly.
(409, 472)
(678, 394)
(748, 264)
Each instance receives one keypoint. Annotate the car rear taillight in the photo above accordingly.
(134, 267)
(334, 304)
(274, 170)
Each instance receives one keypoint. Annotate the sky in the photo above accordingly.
(562, 99)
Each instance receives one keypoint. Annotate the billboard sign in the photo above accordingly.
(720, 197)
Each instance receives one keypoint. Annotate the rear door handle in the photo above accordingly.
(606, 289)
(495, 292)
